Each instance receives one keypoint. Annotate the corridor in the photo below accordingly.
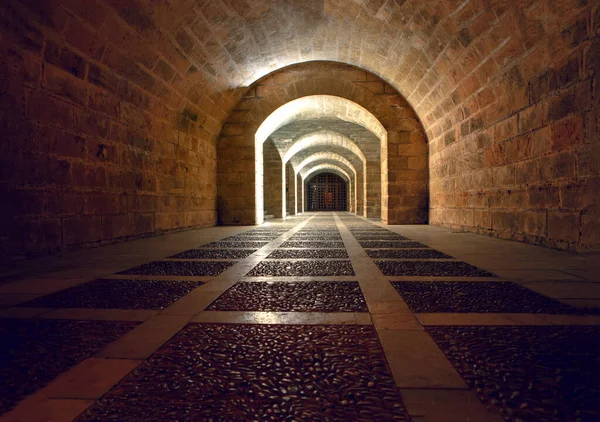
(319, 317)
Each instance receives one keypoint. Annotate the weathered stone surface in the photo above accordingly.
(35, 351)
(276, 372)
(157, 111)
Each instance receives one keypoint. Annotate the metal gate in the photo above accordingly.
(327, 192)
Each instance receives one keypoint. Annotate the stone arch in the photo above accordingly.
(346, 166)
(325, 138)
(308, 108)
(404, 198)
(326, 168)
(333, 157)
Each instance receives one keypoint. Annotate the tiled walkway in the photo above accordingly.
(319, 317)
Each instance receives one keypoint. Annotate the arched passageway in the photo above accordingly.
(326, 192)
(394, 179)
(147, 122)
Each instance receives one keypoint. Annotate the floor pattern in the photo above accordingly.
(335, 373)
(529, 373)
(117, 294)
(479, 297)
(315, 296)
(33, 352)
(287, 323)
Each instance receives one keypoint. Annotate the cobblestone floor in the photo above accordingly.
(303, 296)
(529, 373)
(34, 351)
(117, 294)
(321, 317)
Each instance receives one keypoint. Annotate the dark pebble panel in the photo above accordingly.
(214, 254)
(431, 269)
(313, 245)
(529, 373)
(307, 253)
(117, 294)
(465, 297)
(302, 268)
(310, 296)
(259, 372)
(377, 244)
(34, 351)
(183, 268)
(407, 253)
(241, 245)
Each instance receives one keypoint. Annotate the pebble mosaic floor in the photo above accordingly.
(297, 331)
(304, 296)
(182, 268)
(529, 373)
(303, 373)
(117, 294)
(35, 351)
(458, 296)
(302, 268)
(433, 269)
(214, 254)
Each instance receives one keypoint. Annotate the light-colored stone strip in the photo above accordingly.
(414, 358)
(429, 278)
(263, 279)
(198, 299)
(480, 319)
(73, 391)
(446, 405)
(315, 318)
(144, 340)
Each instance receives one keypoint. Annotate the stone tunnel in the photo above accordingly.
(331, 209)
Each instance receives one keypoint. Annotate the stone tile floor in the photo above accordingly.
(320, 317)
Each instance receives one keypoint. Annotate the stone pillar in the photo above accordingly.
(407, 178)
(290, 188)
(299, 193)
(374, 189)
(360, 192)
(272, 169)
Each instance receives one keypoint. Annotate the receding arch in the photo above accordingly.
(317, 107)
(325, 168)
(325, 138)
(403, 169)
(333, 157)
(312, 107)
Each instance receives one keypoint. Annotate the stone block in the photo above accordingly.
(143, 223)
(535, 223)
(63, 84)
(563, 226)
(116, 226)
(42, 107)
(82, 229)
(567, 133)
(590, 229)
(65, 58)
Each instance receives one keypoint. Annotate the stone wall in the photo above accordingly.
(98, 139)
(522, 160)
